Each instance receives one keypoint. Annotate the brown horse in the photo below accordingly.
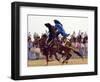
(47, 49)
(51, 45)
(55, 47)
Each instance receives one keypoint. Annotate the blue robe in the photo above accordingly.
(60, 28)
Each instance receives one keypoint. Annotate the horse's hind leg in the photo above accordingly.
(78, 54)
(46, 59)
(56, 57)
(67, 58)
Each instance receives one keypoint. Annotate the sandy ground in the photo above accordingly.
(42, 62)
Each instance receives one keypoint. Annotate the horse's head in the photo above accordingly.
(43, 38)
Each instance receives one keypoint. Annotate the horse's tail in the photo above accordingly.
(81, 56)
(77, 52)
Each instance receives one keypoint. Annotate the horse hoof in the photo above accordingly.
(63, 62)
(67, 62)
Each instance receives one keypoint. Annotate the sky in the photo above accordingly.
(70, 24)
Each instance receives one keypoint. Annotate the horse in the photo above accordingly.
(46, 49)
(52, 48)
(61, 49)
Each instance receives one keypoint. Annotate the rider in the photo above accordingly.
(52, 32)
(60, 28)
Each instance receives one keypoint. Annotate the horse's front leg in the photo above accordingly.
(46, 59)
(67, 58)
(56, 57)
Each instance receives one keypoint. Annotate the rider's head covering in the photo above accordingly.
(57, 22)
